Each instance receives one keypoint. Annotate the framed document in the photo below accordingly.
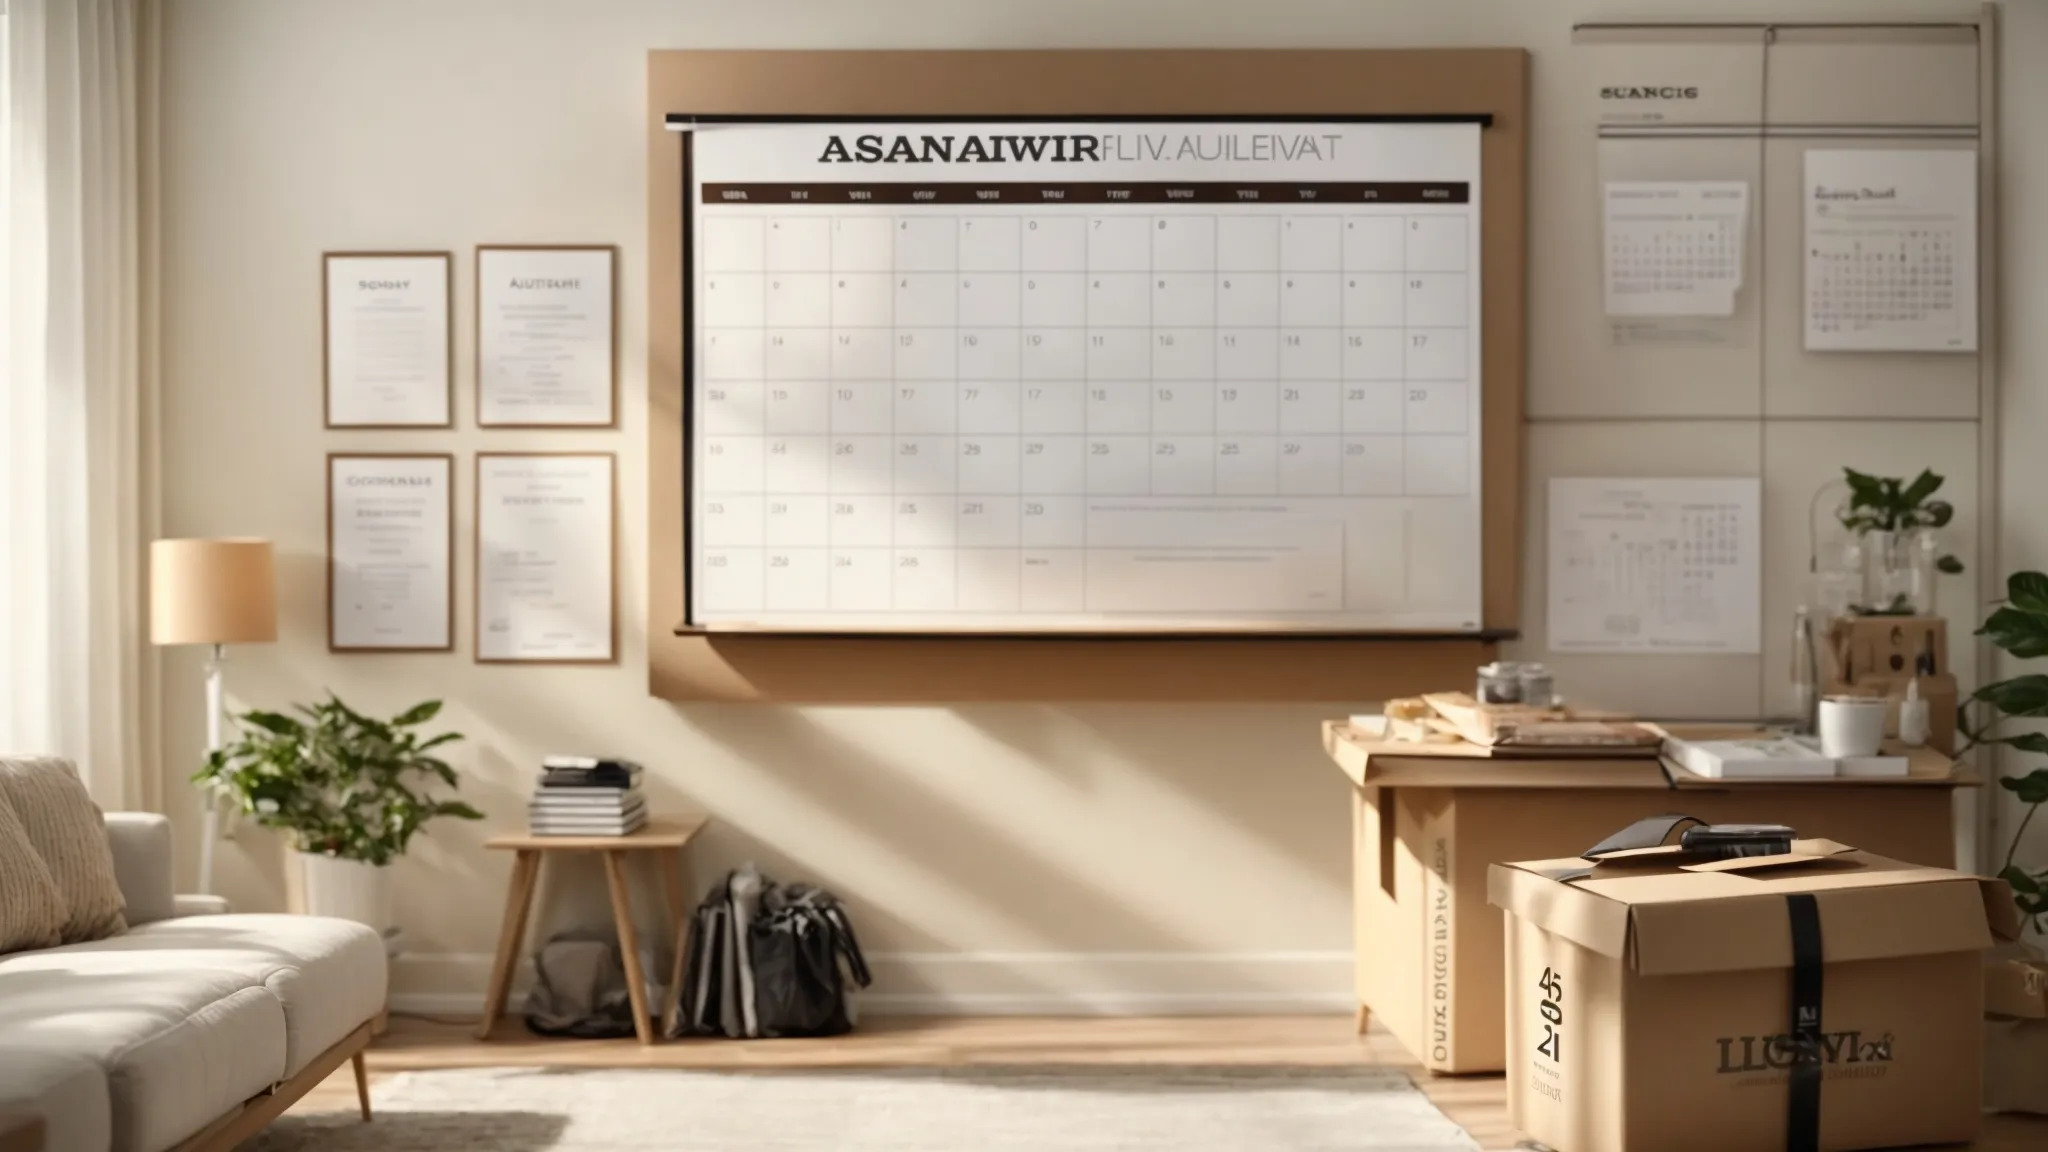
(546, 336)
(390, 552)
(545, 552)
(386, 339)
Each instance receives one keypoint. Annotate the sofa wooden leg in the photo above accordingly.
(362, 1084)
(1363, 1020)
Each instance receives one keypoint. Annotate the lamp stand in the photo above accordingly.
(216, 665)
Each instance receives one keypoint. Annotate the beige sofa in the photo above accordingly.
(193, 1029)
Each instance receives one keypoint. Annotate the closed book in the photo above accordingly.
(582, 802)
(619, 829)
(563, 763)
(592, 779)
(586, 813)
(1765, 758)
(587, 789)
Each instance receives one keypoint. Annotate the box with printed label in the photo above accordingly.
(1818, 1000)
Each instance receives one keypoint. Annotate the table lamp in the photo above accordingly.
(216, 592)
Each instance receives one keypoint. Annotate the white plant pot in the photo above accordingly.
(347, 889)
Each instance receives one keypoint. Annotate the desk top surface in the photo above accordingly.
(659, 832)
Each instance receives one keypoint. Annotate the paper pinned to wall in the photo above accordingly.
(1674, 247)
(1891, 250)
(1656, 565)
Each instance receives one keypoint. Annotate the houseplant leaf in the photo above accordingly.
(2035, 742)
(2021, 696)
(2022, 633)
(2028, 592)
(2031, 788)
(1923, 486)
(418, 714)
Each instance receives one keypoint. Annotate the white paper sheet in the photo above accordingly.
(1655, 566)
(1674, 247)
(1891, 250)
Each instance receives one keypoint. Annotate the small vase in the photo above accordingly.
(345, 889)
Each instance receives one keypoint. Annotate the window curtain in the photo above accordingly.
(74, 656)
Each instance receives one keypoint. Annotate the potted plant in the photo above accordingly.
(2019, 627)
(350, 791)
(1895, 522)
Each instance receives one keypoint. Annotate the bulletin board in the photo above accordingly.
(1489, 87)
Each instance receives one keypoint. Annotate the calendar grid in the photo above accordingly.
(1280, 361)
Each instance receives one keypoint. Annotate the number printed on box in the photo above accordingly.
(993, 375)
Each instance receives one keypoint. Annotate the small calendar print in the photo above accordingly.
(1674, 248)
(1655, 565)
(1891, 250)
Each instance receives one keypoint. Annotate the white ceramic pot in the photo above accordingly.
(347, 889)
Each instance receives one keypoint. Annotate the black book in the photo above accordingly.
(588, 778)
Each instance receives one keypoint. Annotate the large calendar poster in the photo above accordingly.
(1083, 376)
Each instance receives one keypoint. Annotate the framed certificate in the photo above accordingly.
(546, 336)
(546, 540)
(386, 338)
(390, 552)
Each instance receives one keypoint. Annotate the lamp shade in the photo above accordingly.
(212, 592)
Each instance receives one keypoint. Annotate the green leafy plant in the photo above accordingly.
(1888, 504)
(2019, 626)
(339, 782)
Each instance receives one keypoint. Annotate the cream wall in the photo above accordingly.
(1022, 857)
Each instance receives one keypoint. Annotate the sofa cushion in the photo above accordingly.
(330, 974)
(179, 1048)
(68, 1092)
(31, 912)
(69, 834)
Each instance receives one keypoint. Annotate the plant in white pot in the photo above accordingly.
(351, 791)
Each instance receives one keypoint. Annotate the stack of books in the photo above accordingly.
(587, 796)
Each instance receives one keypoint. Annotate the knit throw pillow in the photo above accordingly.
(31, 912)
(66, 829)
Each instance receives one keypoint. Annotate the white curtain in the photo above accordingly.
(72, 440)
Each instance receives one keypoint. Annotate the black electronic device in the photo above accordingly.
(1730, 841)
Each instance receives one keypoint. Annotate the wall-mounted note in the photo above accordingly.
(544, 572)
(1891, 250)
(386, 336)
(545, 337)
(1674, 248)
(390, 552)
(1655, 566)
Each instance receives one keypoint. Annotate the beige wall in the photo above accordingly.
(1000, 857)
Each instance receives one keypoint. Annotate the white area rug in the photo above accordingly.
(967, 1109)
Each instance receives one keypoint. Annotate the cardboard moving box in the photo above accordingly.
(1820, 1000)
(1425, 826)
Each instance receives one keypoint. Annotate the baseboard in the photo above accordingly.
(998, 984)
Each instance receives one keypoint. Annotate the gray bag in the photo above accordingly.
(579, 988)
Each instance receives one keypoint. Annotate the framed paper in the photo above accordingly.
(386, 339)
(546, 540)
(391, 552)
(546, 336)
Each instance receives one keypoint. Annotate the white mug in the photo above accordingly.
(1851, 726)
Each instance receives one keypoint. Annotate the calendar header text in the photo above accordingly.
(1064, 149)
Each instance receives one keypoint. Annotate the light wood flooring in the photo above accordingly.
(1476, 1102)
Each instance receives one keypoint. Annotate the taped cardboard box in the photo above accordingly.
(1824, 998)
(2016, 1030)
(1425, 827)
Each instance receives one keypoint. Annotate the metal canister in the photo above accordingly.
(1539, 686)
(1499, 683)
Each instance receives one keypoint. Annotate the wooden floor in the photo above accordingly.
(1478, 1103)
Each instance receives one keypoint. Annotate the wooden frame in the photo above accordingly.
(253, 1116)
(611, 252)
(476, 606)
(1066, 84)
(327, 340)
(331, 458)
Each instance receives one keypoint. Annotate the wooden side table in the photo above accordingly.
(664, 837)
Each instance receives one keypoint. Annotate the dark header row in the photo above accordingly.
(1218, 192)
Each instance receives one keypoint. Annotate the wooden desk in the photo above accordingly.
(20, 1133)
(665, 837)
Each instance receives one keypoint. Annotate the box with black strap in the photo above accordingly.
(1744, 988)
